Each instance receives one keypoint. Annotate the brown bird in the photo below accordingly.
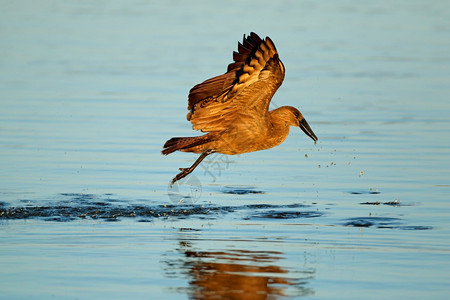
(233, 108)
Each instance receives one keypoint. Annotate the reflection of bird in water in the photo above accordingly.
(242, 274)
(233, 108)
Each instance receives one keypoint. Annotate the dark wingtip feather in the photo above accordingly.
(256, 37)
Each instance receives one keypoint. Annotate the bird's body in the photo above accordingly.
(234, 107)
(254, 136)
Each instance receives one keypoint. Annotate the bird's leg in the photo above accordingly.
(186, 171)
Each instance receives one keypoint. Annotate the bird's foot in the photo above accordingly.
(184, 172)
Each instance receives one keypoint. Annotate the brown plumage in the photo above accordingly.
(233, 108)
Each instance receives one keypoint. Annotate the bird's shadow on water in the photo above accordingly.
(106, 207)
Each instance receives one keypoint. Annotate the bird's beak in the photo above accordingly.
(306, 129)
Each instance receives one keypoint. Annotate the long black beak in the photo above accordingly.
(306, 129)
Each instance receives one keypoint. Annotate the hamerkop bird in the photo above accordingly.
(233, 108)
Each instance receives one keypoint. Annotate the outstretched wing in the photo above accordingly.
(250, 82)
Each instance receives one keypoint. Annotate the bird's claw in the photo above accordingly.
(184, 172)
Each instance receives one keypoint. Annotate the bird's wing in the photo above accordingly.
(250, 82)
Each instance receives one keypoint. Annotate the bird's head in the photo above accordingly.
(300, 121)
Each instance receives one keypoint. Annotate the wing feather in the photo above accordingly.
(251, 80)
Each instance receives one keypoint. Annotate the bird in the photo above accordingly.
(233, 108)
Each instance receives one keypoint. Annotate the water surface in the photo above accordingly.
(91, 90)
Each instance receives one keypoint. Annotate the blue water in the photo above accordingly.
(90, 91)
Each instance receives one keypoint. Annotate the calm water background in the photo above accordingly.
(90, 90)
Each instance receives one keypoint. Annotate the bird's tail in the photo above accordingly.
(180, 143)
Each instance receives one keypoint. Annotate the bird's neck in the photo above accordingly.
(279, 125)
